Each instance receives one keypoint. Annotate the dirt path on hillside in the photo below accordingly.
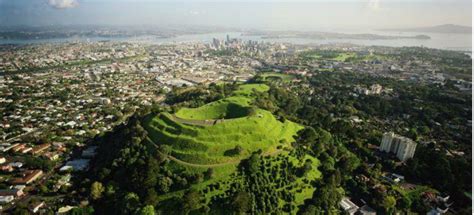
(192, 164)
(206, 165)
(203, 122)
(206, 122)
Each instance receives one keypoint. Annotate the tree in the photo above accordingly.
(164, 183)
(324, 136)
(258, 78)
(327, 162)
(209, 173)
(21, 211)
(252, 111)
(424, 130)
(130, 203)
(110, 190)
(96, 190)
(337, 177)
(413, 134)
(151, 197)
(310, 210)
(237, 150)
(43, 189)
(241, 202)
(152, 172)
(404, 203)
(307, 167)
(82, 211)
(147, 210)
(191, 201)
(197, 178)
(350, 163)
(308, 135)
(389, 203)
(327, 196)
(253, 163)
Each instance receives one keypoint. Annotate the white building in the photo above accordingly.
(76, 165)
(376, 89)
(35, 207)
(6, 199)
(403, 147)
(348, 206)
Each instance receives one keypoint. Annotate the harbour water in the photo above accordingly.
(458, 42)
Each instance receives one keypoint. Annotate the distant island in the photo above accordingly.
(328, 35)
(447, 28)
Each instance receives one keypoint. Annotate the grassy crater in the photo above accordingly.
(215, 110)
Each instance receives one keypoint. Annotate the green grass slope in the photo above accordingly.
(193, 135)
(201, 138)
(247, 89)
(209, 144)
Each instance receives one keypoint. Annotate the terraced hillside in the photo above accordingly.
(223, 136)
(224, 131)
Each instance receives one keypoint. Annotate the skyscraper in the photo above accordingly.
(403, 147)
(217, 43)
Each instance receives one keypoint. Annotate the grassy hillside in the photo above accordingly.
(209, 144)
(219, 136)
(210, 133)
(247, 89)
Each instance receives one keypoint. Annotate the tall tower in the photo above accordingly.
(401, 146)
(387, 141)
(216, 42)
(406, 149)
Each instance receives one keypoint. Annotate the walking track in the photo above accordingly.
(205, 165)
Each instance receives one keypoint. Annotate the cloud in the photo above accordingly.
(63, 4)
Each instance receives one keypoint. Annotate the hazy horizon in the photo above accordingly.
(266, 14)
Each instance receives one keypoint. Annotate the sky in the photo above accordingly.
(244, 14)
